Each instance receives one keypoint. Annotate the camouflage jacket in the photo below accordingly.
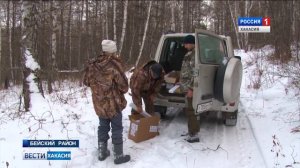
(106, 78)
(186, 73)
(141, 84)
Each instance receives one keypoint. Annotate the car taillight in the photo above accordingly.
(232, 104)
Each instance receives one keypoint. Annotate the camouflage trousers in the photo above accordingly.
(149, 106)
(116, 126)
(193, 123)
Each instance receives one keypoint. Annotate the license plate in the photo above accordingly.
(204, 107)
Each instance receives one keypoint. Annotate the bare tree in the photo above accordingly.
(0, 50)
(30, 72)
(52, 59)
(173, 16)
(181, 15)
(106, 20)
(248, 7)
(8, 70)
(123, 26)
(114, 19)
(145, 34)
(69, 33)
(233, 17)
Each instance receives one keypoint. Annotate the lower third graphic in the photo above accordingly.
(50, 155)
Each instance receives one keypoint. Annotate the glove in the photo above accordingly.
(151, 98)
(189, 93)
(139, 109)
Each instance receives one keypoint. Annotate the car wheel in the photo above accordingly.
(161, 109)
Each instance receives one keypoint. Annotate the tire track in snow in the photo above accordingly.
(239, 141)
(252, 135)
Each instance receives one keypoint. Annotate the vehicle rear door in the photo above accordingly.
(210, 52)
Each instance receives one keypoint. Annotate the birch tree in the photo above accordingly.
(7, 62)
(172, 16)
(123, 26)
(1, 51)
(9, 32)
(234, 24)
(114, 20)
(145, 33)
(181, 15)
(52, 59)
(69, 31)
(87, 30)
(106, 19)
(31, 82)
(248, 7)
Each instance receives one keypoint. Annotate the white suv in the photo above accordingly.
(217, 74)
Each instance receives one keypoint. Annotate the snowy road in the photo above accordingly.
(220, 145)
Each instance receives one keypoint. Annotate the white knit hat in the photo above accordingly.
(109, 46)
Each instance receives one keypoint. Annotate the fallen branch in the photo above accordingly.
(296, 129)
(218, 147)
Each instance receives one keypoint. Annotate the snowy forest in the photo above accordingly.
(44, 47)
(64, 34)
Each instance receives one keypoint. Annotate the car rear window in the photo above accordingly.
(212, 49)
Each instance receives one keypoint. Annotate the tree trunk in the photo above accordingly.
(172, 16)
(52, 61)
(124, 26)
(248, 7)
(181, 16)
(13, 44)
(7, 74)
(1, 70)
(114, 20)
(62, 36)
(69, 40)
(145, 34)
(87, 32)
(80, 34)
(10, 47)
(95, 44)
(31, 81)
(234, 24)
(106, 20)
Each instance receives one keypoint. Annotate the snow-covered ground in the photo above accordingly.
(261, 138)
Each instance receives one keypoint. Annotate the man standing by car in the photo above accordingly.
(187, 83)
(106, 78)
(145, 84)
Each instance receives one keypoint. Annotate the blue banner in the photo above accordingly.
(250, 21)
(59, 155)
(51, 143)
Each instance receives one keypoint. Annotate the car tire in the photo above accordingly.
(228, 80)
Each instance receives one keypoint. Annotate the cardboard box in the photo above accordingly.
(142, 128)
(172, 77)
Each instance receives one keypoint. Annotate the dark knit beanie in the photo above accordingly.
(189, 39)
(157, 70)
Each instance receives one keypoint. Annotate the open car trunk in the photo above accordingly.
(171, 59)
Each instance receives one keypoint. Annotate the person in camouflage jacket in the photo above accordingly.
(145, 84)
(106, 78)
(187, 83)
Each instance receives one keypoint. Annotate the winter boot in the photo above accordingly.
(118, 154)
(192, 138)
(103, 151)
